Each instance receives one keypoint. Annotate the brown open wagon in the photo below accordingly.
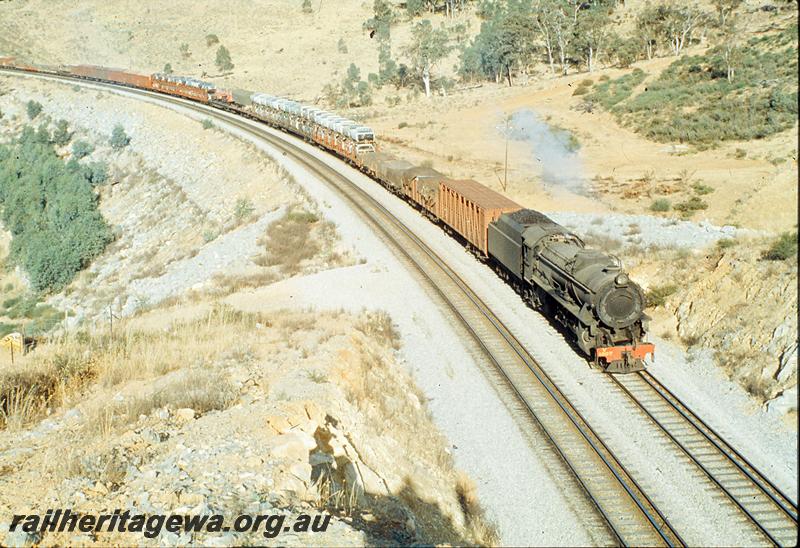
(468, 207)
(113, 75)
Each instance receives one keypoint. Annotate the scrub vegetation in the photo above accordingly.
(50, 207)
(701, 99)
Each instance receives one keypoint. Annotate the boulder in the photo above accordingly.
(293, 446)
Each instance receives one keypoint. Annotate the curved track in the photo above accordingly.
(629, 514)
(763, 504)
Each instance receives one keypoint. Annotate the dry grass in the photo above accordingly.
(227, 284)
(297, 243)
(379, 327)
(198, 389)
(479, 529)
(66, 365)
(28, 390)
(185, 365)
(757, 386)
(289, 241)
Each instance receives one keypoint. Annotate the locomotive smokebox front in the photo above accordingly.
(620, 302)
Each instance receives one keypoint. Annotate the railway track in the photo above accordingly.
(629, 514)
(771, 512)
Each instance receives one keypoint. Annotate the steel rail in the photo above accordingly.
(633, 518)
(745, 487)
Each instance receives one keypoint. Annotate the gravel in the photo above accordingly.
(229, 252)
(648, 231)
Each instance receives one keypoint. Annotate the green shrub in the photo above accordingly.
(702, 189)
(211, 39)
(33, 108)
(657, 296)
(210, 235)
(726, 243)
(167, 68)
(119, 139)
(341, 46)
(6, 328)
(81, 149)
(42, 134)
(62, 135)
(207, 124)
(223, 60)
(611, 92)
(691, 205)
(660, 204)
(243, 210)
(784, 247)
(96, 173)
(401, 125)
(693, 101)
(51, 211)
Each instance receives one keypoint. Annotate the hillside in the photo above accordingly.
(576, 143)
(211, 328)
(280, 49)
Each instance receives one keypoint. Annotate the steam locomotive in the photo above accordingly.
(585, 291)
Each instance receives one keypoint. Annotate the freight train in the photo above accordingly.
(585, 291)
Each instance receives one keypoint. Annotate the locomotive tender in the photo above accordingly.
(585, 291)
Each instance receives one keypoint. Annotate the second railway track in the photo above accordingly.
(770, 512)
(631, 516)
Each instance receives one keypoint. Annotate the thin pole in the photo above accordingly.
(505, 175)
